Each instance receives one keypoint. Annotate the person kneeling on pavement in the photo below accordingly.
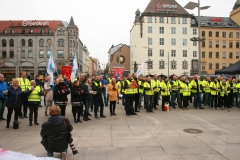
(56, 134)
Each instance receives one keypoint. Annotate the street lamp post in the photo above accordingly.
(191, 6)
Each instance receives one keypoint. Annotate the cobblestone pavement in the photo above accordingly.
(146, 136)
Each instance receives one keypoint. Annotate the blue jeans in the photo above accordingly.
(104, 96)
(2, 107)
(140, 100)
(87, 103)
(50, 153)
(197, 100)
(207, 98)
(175, 95)
(149, 102)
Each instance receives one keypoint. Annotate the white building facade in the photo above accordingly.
(161, 36)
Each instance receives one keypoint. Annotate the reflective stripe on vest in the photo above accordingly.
(24, 85)
(129, 90)
(96, 84)
(148, 92)
(34, 96)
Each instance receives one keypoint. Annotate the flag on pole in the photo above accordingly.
(74, 68)
(50, 67)
(140, 69)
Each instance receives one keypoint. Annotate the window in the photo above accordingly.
(41, 43)
(184, 30)
(72, 43)
(230, 34)
(217, 65)
(230, 55)
(224, 65)
(49, 42)
(173, 30)
(237, 44)
(217, 44)
(224, 55)
(173, 53)
(210, 66)
(217, 54)
(173, 64)
(194, 43)
(210, 34)
(23, 42)
(11, 54)
(203, 33)
(237, 55)
(30, 43)
(149, 52)
(173, 20)
(203, 65)
(203, 54)
(149, 29)
(149, 19)
(184, 42)
(4, 54)
(48, 54)
(60, 43)
(161, 30)
(149, 41)
(184, 53)
(184, 64)
(41, 54)
(210, 44)
(224, 44)
(194, 53)
(11, 43)
(30, 54)
(71, 54)
(230, 44)
(203, 43)
(224, 34)
(173, 41)
(161, 41)
(150, 65)
(194, 31)
(217, 34)
(237, 34)
(4, 43)
(210, 55)
(230, 64)
(184, 20)
(60, 32)
(161, 53)
(161, 64)
(60, 54)
(161, 19)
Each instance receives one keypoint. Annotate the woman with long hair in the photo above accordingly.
(113, 93)
(49, 94)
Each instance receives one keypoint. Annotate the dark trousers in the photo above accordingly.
(224, 101)
(136, 100)
(175, 95)
(155, 99)
(112, 107)
(2, 107)
(185, 101)
(24, 101)
(181, 97)
(214, 99)
(197, 99)
(123, 99)
(33, 111)
(87, 103)
(9, 114)
(219, 100)
(63, 109)
(235, 96)
(149, 102)
(128, 103)
(98, 101)
(164, 100)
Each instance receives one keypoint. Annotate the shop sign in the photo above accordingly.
(166, 7)
(216, 19)
(35, 23)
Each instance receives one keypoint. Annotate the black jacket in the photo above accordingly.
(76, 95)
(56, 133)
(86, 93)
(97, 88)
(58, 96)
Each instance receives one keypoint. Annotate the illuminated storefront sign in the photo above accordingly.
(35, 23)
(166, 7)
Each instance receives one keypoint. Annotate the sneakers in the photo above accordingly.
(64, 156)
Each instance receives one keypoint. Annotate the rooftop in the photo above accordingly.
(224, 22)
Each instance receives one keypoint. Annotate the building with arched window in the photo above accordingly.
(27, 45)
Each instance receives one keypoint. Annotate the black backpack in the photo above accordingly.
(16, 124)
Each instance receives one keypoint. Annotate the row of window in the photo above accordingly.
(173, 64)
(224, 45)
(173, 30)
(173, 53)
(30, 31)
(173, 42)
(60, 54)
(173, 20)
(217, 65)
(217, 55)
(41, 43)
(224, 34)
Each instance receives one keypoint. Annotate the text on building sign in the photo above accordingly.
(216, 19)
(161, 6)
(35, 23)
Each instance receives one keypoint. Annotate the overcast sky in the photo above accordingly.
(101, 23)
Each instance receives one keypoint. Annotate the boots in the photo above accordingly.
(30, 123)
(46, 113)
(7, 125)
(36, 123)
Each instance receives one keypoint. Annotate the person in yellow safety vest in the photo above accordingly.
(186, 89)
(109, 80)
(207, 91)
(119, 81)
(197, 92)
(136, 91)
(149, 92)
(230, 92)
(34, 94)
(238, 91)
(123, 91)
(235, 93)
(165, 91)
(181, 90)
(129, 87)
(224, 95)
(214, 86)
(175, 92)
(141, 90)
(219, 79)
(156, 91)
(24, 83)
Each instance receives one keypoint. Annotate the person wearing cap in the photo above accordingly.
(165, 91)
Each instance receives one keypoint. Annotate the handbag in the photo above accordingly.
(16, 124)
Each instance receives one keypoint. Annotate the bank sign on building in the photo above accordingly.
(161, 36)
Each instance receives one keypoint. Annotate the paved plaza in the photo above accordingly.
(146, 136)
